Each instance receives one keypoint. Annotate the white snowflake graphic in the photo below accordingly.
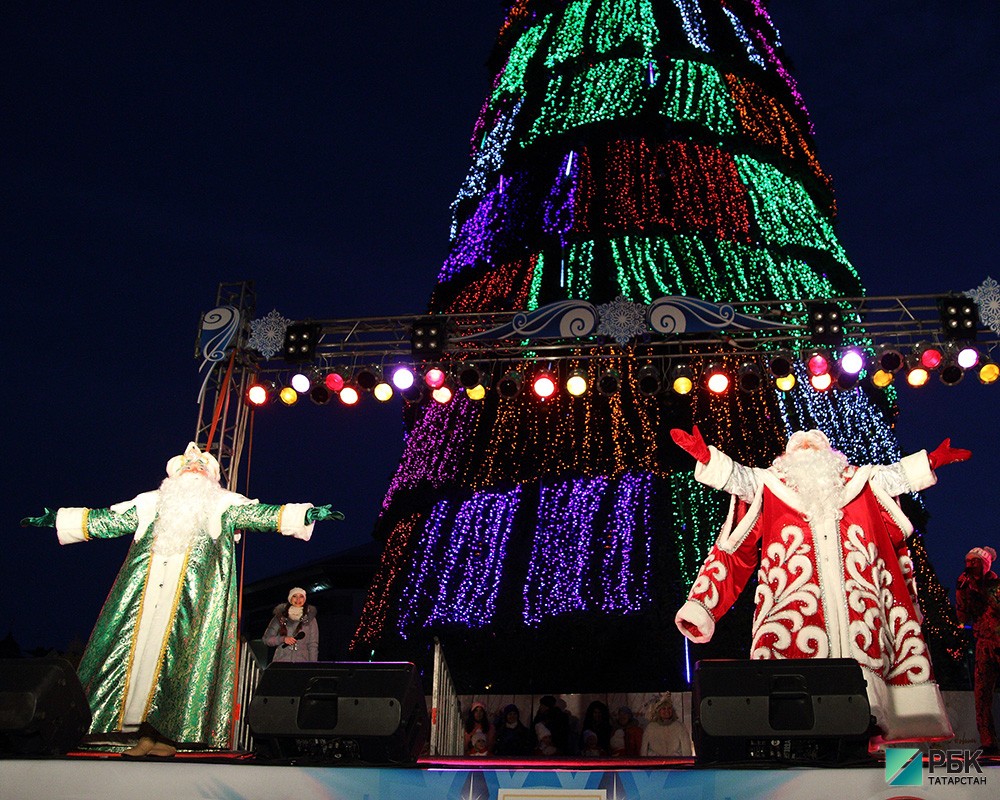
(267, 334)
(987, 297)
(622, 319)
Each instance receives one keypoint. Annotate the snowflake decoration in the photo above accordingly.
(987, 297)
(621, 319)
(267, 335)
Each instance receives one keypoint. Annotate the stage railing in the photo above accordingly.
(446, 711)
(246, 683)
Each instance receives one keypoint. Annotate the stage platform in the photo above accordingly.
(110, 777)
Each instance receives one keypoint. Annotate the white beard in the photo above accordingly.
(182, 512)
(817, 476)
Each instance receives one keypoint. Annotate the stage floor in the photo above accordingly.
(109, 777)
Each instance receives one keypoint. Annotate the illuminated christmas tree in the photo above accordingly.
(628, 150)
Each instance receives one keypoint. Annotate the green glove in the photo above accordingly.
(320, 513)
(47, 520)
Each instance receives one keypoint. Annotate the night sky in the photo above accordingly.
(314, 149)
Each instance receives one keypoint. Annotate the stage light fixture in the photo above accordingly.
(825, 322)
(959, 317)
(435, 377)
(951, 373)
(543, 384)
(335, 380)
(301, 382)
(716, 379)
(382, 391)
(682, 379)
(649, 380)
(469, 375)
(780, 364)
(817, 362)
(403, 377)
(852, 361)
(442, 394)
(260, 393)
(477, 392)
(300, 341)
(847, 380)
(821, 382)
(748, 376)
(577, 383)
(786, 382)
(929, 355)
(366, 379)
(288, 396)
(414, 393)
(320, 394)
(882, 378)
(609, 382)
(510, 384)
(889, 358)
(916, 373)
(988, 372)
(967, 357)
(429, 337)
(349, 395)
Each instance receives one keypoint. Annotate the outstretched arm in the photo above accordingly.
(320, 513)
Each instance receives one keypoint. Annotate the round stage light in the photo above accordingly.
(382, 391)
(403, 378)
(576, 383)
(288, 395)
(301, 382)
(852, 361)
(929, 356)
(334, 381)
(682, 380)
(988, 372)
(435, 377)
(442, 394)
(610, 382)
(543, 385)
(259, 393)
(786, 382)
(967, 357)
(818, 363)
(477, 392)
(882, 378)
(349, 395)
(716, 379)
(917, 376)
(821, 382)
(649, 380)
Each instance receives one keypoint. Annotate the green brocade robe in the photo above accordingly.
(192, 696)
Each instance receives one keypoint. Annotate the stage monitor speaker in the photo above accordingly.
(805, 710)
(373, 713)
(43, 710)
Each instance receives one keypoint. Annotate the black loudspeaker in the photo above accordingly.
(43, 710)
(347, 712)
(800, 710)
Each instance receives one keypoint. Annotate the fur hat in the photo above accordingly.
(193, 455)
(799, 438)
(987, 554)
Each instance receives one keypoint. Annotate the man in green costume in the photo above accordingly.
(161, 661)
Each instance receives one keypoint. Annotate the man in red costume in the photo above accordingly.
(835, 578)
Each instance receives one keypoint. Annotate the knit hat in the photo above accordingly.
(295, 591)
(987, 554)
(541, 731)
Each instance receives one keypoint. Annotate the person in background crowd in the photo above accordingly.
(978, 596)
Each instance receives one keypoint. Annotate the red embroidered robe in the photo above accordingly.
(827, 588)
